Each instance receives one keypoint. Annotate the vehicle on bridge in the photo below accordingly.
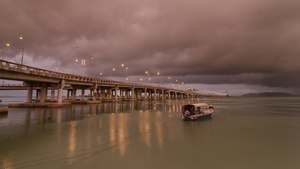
(196, 111)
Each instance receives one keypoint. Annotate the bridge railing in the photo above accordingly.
(6, 65)
(10, 66)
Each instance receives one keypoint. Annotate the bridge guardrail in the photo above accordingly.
(6, 65)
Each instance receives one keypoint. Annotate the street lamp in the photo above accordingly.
(112, 72)
(76, 60)
(159, 77)
(6, 45)
(82, 60)
(147, 73)
(126, 68)
(126, 74)
(21, 38)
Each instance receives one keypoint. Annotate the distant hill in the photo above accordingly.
(268, 94)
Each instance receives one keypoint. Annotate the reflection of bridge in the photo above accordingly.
(43, 80)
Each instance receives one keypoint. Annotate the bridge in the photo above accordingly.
(42, 80)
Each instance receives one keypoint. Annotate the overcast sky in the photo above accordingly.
(209, 42)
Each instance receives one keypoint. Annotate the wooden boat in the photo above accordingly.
(196, 111)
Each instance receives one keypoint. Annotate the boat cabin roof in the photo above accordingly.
(200, 105)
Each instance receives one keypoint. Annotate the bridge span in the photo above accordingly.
(42, 80)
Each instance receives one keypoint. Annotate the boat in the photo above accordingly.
(196, 111)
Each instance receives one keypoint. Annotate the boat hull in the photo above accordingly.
(196, 117)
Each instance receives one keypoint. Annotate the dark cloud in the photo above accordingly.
(249, 42)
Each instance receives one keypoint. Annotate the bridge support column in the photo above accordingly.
(59, 95)
(37, 95)
(102, 94)
(82, 94)
(59, 92)
(109, 93)
(146, 97)
(29, 93)
(93, 93)
(73, 97)
(116, 93)
(43, 93)
(139, 94)
(132, 93)
(68, 94)
(98, 94)
(52, 94)
(162, 94)
(150, 94)
(154, 93)
(122, 94)
(126, 94)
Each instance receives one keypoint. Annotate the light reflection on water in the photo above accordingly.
(242, 133)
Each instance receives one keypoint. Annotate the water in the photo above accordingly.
(243, 133)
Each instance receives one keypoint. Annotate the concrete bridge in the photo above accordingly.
(42, 80)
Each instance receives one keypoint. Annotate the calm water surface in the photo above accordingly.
(243, 133)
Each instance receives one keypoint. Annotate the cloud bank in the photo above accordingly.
(214, 42)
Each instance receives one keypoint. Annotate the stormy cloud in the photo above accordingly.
(214, 42)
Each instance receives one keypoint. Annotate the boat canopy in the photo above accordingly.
(200, 105)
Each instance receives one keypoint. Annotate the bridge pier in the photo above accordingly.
(109, 94)
(82, 94)
(29, 93)
(133, 94)
(102, 94)
(94, 96)
(98, 94)
(43, 93)
(37, 95)
(145, 94)
(116, 93)
(125, 94)
(73, 94)
(52, 94)
(59, 95)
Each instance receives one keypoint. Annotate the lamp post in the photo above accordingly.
(22, 40)
(126, 74)
(159, 78)
(122, 65)
(148, 74)
(82, 61)
(73, 65)
(112, 73)
(6, 45)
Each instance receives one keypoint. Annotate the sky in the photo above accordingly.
(239, 46)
